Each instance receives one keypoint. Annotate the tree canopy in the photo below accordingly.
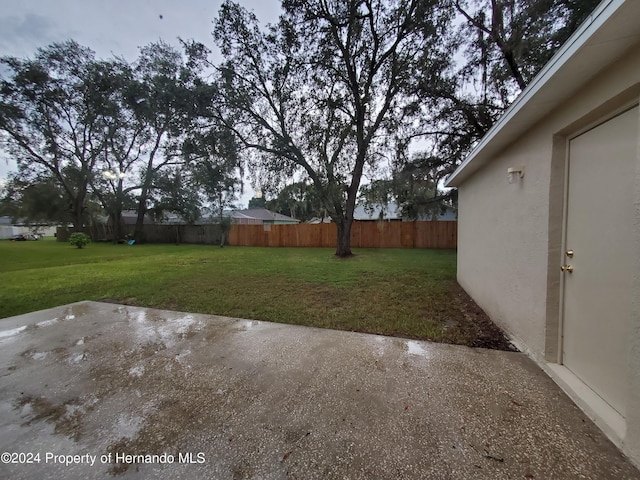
(321, 92)
(336, 93)
(52, 118)
(500, 45)
(298, 200)
(110, 131)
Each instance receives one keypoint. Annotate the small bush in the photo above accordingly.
(79, 239)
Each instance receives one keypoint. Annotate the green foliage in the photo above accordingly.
(298, 200)
(501, 45)
(165, 100)
(510, 41)
(417, 192)
(257, 202)
(320, 94)
(377, 193)
(38, 201)
(175, 192)
(214, 165)
(416, 195)
(109, 132)
(46, 104)
(79, 239)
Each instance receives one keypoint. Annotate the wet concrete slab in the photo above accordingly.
(178, 395)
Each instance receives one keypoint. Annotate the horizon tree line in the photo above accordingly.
(392, 93)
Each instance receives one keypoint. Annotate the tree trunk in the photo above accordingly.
(114, 228)
(345, 221)
(118, 231)
(77, 213)
(222, 227)
(78, 223)
(344, 238)
(138, 233)
(117, 225)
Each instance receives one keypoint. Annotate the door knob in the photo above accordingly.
(566, 268)
(569, 253)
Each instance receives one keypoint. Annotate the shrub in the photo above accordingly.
(79, 239)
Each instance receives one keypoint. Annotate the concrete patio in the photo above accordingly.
(216, 397)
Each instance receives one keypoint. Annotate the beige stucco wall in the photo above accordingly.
(502, 248)
(509, 235)
(503, 229)
(632, 441)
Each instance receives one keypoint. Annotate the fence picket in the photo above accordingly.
(417, 234)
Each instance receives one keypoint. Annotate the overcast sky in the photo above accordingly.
(112, 27)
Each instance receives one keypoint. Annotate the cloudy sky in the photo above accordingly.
(111, 27)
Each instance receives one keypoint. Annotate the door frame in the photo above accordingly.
(565, 210)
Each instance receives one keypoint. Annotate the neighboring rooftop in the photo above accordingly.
(392, 211)
(129, 217)
(7, 220)
(261, 214)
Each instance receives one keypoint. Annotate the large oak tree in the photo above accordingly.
(52, 118)
(322, 93)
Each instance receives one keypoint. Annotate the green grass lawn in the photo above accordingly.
(409, 293)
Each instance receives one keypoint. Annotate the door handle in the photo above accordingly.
(567, 268)
(569, 253)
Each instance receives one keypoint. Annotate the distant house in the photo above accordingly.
(251, 216)
(549, 228)
(9, 228)
(318, 220)
(449, 214)
(260, 216)
(392, 212)
(129, 217)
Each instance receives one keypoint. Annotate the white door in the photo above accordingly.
(599, 231)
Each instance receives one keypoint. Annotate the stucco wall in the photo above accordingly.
(508, 233)
(502, 249)
(632, 442)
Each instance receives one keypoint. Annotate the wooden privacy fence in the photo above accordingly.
(363, 235)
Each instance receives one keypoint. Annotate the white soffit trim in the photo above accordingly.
(612, 28)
